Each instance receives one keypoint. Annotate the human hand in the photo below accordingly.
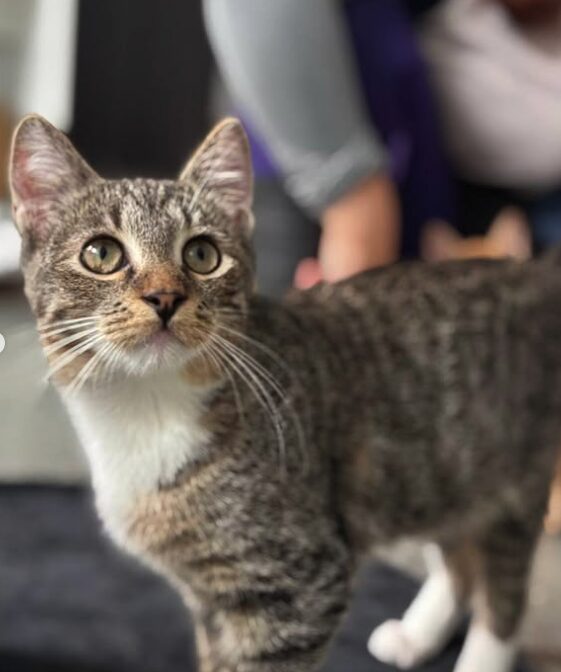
(360, 231)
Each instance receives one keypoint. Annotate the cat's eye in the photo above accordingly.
(103, 255)
(201, 256)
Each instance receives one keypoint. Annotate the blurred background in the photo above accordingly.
(131, 89)
(380, 130)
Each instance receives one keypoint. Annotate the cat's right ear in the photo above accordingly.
(222, 166)
(439, 241)
(44, 168)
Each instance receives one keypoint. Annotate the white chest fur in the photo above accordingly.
(137, 435)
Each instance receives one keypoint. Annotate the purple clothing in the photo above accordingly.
(401, 108)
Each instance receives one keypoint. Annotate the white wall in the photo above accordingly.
(37, 57)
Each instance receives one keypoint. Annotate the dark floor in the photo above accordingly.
(71, 602)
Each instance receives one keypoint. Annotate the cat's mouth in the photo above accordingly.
(162, 339)
(161, 349)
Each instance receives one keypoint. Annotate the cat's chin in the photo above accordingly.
(162, 352)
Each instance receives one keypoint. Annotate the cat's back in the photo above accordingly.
(448, 387)
(446, 376)
(474, 325)
(415, 295)
(454, 281)
(420, 338)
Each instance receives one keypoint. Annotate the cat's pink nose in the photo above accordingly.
(165, 303)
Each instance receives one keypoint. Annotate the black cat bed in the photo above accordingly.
(69, 601)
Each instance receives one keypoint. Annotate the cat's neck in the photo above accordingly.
(138, 434)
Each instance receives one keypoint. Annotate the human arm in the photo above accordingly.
(291, 66)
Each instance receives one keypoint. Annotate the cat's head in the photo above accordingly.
(508, 236)
(132, 275)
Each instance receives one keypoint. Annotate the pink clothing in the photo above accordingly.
(499, 88)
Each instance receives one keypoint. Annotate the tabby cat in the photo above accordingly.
(508, 236)
(254, 451)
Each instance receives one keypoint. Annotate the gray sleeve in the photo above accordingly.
(291, 64)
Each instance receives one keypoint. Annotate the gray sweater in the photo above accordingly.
(290, 65)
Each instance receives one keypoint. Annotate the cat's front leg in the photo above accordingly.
(264, 639)
(426, 627)
(204, 652)
(252, 619)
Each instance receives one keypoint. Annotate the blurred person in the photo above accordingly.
(496, 70)
(343, 127)
(345, 130)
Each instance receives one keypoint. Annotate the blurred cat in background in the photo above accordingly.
(508, 236)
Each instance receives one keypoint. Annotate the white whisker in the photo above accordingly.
(261, 393)
(272, 380)
(66, 323)
(256, 366)
(69, 356)
(223, 366)
(112, 361)
(260, 346)
(49, 350)
(88, 368)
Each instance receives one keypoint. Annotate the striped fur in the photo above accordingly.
(256, 451)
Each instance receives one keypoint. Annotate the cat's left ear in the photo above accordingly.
(222, 165)
(44, 168)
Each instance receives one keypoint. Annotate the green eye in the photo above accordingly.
(201, 256)
(102, 255)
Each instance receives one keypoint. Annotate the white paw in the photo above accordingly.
(484, 651)
(391, 644)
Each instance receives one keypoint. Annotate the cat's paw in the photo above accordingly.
(391, 644)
